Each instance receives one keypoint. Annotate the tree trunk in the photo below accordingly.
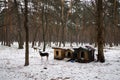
(34, 37)
(20, 40)
(100, 29)
(20, 36)
(27, 34)
(44, 24)
(115, 23)
(62, 24)
(43, 28)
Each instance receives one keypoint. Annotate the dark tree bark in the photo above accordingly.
(4, 27)
(44, 23)
(100, 29)
(20, 35)
(62, 23)
(27, 34)
(43, 27)
(34, 37)
(115, 23)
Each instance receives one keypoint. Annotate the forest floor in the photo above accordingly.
(12, 66)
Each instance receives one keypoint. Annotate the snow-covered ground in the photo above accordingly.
(12, 66)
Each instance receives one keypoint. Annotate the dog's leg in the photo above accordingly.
(41, 58)
(47, 58)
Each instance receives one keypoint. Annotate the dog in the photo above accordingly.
(44, 54)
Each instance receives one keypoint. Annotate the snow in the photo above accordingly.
(12, 66)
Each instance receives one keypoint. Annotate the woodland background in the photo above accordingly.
(52, 21)
(60, 21)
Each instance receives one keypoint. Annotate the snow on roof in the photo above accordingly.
(65, 48)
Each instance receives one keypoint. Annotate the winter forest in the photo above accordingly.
(27, 26)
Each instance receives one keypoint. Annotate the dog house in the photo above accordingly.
(68, 53)
(91, 53)
(84, 54)
(60, 53)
